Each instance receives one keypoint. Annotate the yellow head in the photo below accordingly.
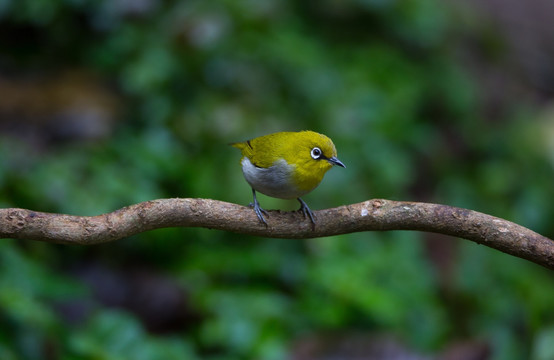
(307, 155)
(312, 154)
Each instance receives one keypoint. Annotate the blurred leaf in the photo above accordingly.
(114, 335)
(542, 347)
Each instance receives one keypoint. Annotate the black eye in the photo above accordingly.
(316, 153)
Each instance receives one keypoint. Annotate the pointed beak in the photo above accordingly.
(334, 161)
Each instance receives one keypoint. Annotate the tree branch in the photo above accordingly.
(377, 214)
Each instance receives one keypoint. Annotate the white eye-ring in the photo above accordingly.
(316, 153)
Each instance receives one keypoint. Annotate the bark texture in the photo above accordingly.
(371, 215)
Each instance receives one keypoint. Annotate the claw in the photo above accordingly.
(306, 210)
(257, 209)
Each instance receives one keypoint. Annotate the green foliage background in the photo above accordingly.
(386, 80)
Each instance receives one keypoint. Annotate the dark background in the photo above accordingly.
(108, 103)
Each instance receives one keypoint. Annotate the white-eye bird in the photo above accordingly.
(286, 165)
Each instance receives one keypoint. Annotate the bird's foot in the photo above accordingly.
(306, 211)
(259, 211)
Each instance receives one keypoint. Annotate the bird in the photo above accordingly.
(286, 165)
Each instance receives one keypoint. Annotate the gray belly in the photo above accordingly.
(275, 181)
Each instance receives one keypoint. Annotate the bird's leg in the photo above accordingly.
(306, 210)
(257, 209)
